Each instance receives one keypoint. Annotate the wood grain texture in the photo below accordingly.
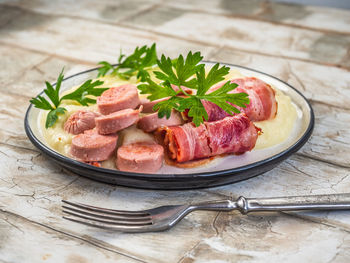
(261, 38)
(299, 16)
(36, 31)
(23, 241)
(308, 47)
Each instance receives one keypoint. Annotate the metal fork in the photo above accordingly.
(165, 217)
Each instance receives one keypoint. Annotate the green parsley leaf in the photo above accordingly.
(164, 107)
(214, 76)
(221, 96)
(156, 91)
(196, 109)
(178, 71)
(52, 116)
(87, 88)
(79, 95)
(135, 64)
(106, 67)
(52, 93)
(189, 73)
(41, 103)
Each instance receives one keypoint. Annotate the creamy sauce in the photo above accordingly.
(274, 131)
(277, 130)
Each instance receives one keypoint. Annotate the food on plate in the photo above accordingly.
(233, 134)
(141, 157)
(116, 121)
(91, 146)
(187, 112)
(262, 105)
(152, 122)
(80, 121)
(148, 105)
(118, 98)
(81, 95)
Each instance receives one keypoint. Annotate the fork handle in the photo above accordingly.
(309, 202)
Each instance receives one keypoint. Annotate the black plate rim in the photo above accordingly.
(156, 177)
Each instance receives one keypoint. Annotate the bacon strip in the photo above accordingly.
(233, 134)
(262, 106)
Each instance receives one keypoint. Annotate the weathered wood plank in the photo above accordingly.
(37, 243)
(26, 77)
(73, 37)
(308, 17)
(14, 66)
(319, 47)
(278, 237)
(331, 136)
(105, 10)
(248, 35)
(39, 186)
(311, 17)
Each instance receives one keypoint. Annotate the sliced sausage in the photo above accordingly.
(151, 122)
(116, 121)
(140, 157)
(80, 121)
(118, 98)
(92, 147)
(148, 105)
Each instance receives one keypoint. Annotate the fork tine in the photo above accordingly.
(123, 228)
(98, 214)
(108, 211)
(106, 221)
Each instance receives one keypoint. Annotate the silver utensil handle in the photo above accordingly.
(311, 202)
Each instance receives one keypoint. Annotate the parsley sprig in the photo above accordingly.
(184, 70)
(189, 73)
(135, 64)
(53, 94)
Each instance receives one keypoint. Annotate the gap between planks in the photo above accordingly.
(198, 42)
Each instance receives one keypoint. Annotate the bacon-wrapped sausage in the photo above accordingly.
(233, 134)
(262, 106)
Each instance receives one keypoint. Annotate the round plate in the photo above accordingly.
(223, 170)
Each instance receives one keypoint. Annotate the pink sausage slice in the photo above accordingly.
(116, 121)
(140, 157)
(148, 105)
(151, 122)
(80, 121)
(118, 98)
(91, 147)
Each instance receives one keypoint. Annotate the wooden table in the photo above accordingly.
(308, 47)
